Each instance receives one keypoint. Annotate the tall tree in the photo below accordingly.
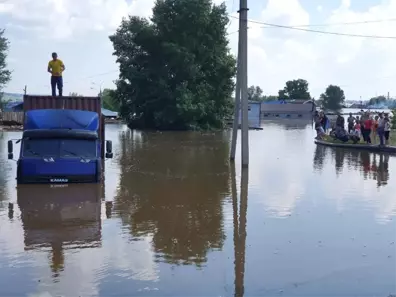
(75, 94)
(5, 74)
(295, 89)
(255, 93)
(333, 98)
(176, 72)
(270, 98)
(109, 100)
(377, 100)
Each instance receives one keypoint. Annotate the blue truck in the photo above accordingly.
(61, 146)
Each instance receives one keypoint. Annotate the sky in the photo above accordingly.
(78, 31)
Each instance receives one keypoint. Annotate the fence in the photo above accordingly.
(11, 117)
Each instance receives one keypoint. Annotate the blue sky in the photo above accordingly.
(78, 31)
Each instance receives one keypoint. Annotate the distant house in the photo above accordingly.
(288, 108)
(13, 106)
(109, 114)
(253, 114)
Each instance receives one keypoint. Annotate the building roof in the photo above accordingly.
(109, 113)
(13, 104)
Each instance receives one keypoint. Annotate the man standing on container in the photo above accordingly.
(56, 67)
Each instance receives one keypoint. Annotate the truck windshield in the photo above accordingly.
(64, 148)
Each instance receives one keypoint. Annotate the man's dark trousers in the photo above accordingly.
(56, 81)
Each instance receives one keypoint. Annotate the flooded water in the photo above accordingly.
(174, 218)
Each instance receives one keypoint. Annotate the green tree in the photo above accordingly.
(255, 93)
(394, 119)
(5, 74)
(295, 89)
(74, 94)
(109, 100)
(176, 72)
(333, 98)
(269, 98)
(377, 100)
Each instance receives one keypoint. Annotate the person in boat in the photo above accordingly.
(368, 124)
(362, 130)
(340, 122)
(355, 134)
(324, 121)
(319, 128)
(357, 126)
(381, 129)
(339, 133)
(351, 123)
(316, 115)
(374, 129)
(387, 128)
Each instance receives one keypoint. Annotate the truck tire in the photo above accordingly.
(19, 172)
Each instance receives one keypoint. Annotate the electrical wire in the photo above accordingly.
(340, 24)
(318, 31)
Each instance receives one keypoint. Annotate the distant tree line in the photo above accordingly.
(5, 74)
(333, 98)
(109, 100)
(382, 101)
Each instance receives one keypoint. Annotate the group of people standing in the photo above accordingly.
(370, 127)
(366, 127)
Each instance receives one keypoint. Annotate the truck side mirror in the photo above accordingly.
(10, 150)
(109, 149)
(10, 147)
(109, 146)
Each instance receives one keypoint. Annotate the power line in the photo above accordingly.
(330, 24)
(93, 76)
(340, 24)
(318, 31)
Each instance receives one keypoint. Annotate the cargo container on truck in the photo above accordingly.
(62, 141)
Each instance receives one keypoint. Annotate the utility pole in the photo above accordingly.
(243, 15)
(237, 107)
(25, 90)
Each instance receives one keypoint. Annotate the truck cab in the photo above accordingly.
(60, 146)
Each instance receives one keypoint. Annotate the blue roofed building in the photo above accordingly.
(13, 106)
(109, 114)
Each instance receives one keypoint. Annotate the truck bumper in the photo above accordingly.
(58, 179)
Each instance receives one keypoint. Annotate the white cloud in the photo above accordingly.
(324, 59)
(80, 29)
(65, 18)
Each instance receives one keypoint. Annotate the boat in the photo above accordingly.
(368, 147)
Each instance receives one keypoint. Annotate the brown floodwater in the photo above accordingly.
(175, 218)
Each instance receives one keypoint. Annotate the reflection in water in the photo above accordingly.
(171, 187)
(240, 229)
(310, 231)
(60, 217)
(3, 163)
(289, 124)
(371, 166)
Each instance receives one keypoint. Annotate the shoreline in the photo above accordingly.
(365, 147)
(11, 128)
